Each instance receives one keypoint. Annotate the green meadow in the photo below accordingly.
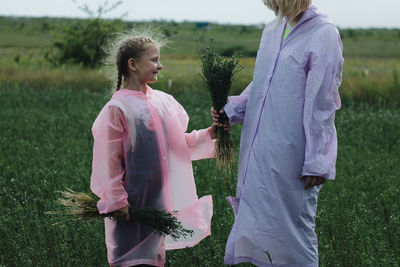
(46, 145)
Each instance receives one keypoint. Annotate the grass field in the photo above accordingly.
(46, 145)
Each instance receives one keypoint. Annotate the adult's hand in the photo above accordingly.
(216, 118)
(312, 181)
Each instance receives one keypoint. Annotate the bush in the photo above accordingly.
(238, 50)
(82, 42)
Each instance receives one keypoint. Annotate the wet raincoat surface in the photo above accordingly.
(288, 113)
(142, 157)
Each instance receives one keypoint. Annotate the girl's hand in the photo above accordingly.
(216, 117)
(312, 181)
(122, 214)
(213, 130)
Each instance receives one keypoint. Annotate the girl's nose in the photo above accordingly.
(160, 66)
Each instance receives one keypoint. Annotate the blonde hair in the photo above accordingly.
(291, 9)
(132, 44)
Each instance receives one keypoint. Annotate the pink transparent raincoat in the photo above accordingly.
(142, 157)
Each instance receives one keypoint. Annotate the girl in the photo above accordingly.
(288, 132)
(142, 158)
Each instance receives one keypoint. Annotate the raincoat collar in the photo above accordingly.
(310, 13)
(123, 92)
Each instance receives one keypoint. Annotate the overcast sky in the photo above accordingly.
(344, 13)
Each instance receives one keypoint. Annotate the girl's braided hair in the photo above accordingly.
(132, 44)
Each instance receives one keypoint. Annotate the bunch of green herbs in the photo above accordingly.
(218, 73)
(83, 206)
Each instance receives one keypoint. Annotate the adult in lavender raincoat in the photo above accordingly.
(288, 131)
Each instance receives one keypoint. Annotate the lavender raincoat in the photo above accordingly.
(288, 113)
(142, 156)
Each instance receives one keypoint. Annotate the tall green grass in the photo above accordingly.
(358, 221)
(47, 144)
(365, 80)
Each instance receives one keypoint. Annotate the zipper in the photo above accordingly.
(259, 118)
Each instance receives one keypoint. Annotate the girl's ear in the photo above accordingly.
(131, 64)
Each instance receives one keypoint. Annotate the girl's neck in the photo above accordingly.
(134, 84)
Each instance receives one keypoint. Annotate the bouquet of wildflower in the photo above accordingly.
(218, 73)
(83, 206)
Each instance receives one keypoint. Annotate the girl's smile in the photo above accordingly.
(149, 65)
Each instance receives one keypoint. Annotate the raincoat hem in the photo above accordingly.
(230, 260)
(137, 262)
(207, 204)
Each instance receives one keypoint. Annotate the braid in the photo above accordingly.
(119, 81)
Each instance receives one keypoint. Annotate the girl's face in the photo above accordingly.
(148, 65)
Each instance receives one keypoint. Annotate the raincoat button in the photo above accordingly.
(164, 158)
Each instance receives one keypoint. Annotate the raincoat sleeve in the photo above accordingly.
(321, 102)
(107, 171)
(236, 106)
(199, 142)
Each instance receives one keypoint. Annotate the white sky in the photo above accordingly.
(344, 13)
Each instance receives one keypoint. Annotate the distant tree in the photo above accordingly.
(82, 41)
(244, 29)
(166, 32)
(351, 33)
(102, 9)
